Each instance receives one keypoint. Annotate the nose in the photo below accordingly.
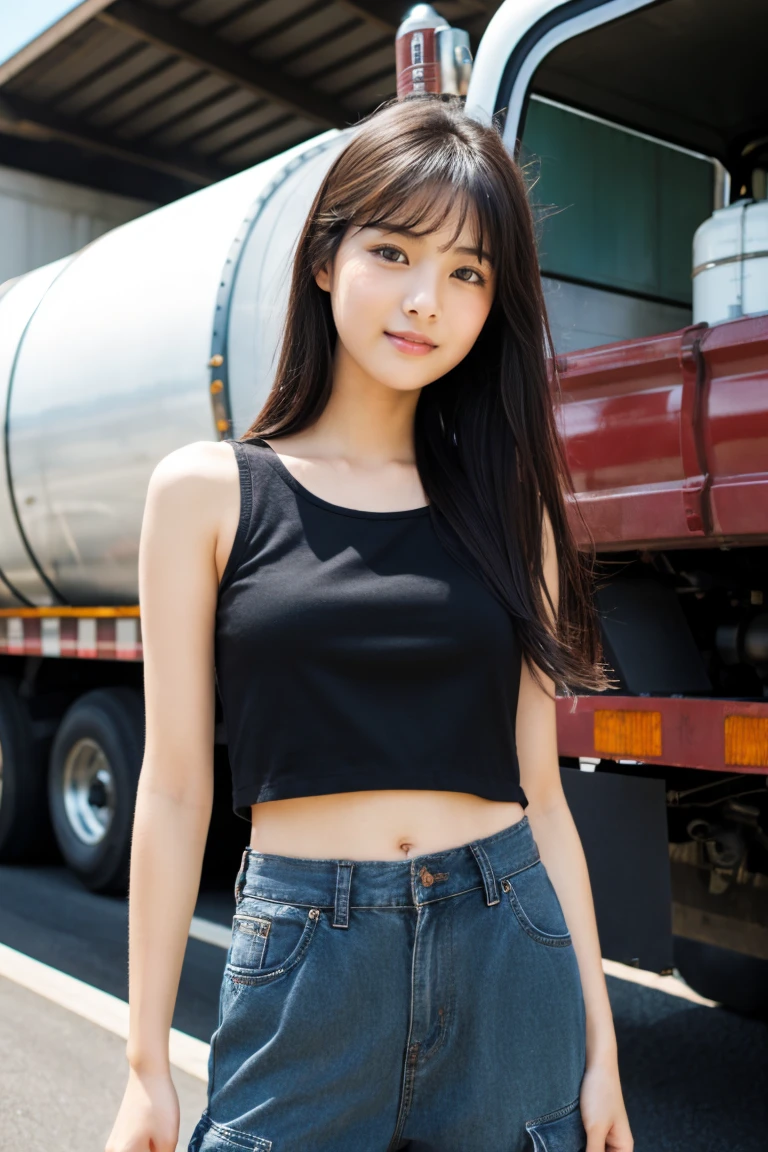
(422, 296)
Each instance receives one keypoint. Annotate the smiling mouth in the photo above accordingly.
(410, 344)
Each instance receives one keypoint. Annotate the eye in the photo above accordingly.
(382, 248)
(481, 280)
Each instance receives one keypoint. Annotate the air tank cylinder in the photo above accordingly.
(430, 56)
(730, 263)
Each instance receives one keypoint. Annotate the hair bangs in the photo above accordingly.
(423, 205)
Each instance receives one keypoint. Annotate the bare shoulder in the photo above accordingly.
(195, 467)
(195, 479)
(193, 500)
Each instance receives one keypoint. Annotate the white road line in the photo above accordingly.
(110, 1012)
(672, 985)
(210, 932)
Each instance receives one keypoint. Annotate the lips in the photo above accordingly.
(410, 343)
(413, 338)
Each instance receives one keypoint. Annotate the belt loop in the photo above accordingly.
(240, 878)
(341, 902)
(486, 869)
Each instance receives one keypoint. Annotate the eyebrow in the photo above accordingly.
(485, 257)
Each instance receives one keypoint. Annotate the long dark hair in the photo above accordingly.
(487, 449)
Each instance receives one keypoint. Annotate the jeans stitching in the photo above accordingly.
(241, 1139)
(449, 1008)
(522, 868)
(550, 939)
(556, 1115)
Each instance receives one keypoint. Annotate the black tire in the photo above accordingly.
(24, 823)
(93, 774)
(737, 981)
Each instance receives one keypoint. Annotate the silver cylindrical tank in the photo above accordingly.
(730, 263)
(161, 332)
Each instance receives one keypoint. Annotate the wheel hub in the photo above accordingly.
(89, 791)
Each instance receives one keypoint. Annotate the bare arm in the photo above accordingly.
(178, 585)
(561, 850)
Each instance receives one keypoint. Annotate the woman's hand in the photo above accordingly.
(148, 1119)
(602, 1109)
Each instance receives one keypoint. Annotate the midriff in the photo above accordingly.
(386, 824)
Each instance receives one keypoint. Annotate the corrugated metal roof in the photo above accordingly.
(181, 93)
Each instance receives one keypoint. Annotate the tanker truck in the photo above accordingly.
(654, 253)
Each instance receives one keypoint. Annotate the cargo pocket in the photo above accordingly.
(560, 1131)
(209, 1136)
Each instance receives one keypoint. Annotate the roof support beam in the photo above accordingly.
(383, 15)
(22, 117)
(161, 28)
(50, 38)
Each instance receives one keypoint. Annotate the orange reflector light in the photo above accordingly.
(627, 733)
(746, 741)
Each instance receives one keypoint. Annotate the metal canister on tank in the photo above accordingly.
(430, 55)
(417, 54)
(455, 59)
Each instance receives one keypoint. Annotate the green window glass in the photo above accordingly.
(615, 210)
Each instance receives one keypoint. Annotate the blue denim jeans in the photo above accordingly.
(432, 1004)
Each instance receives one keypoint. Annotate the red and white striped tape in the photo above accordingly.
(82, 637)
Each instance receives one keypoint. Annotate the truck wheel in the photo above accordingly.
(737, 981)
(23, 808)
(92, 779)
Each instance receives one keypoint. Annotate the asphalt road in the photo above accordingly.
(694, 1078)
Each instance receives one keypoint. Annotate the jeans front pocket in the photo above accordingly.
(269, 938)
(560, 1131)
(536, 905)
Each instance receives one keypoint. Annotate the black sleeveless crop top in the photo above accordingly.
(352, 652)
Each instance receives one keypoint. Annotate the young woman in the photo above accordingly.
(382, 573)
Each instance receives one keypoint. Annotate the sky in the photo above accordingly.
(22, 21)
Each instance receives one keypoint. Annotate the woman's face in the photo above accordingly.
(385, 282)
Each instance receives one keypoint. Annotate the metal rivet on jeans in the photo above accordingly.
(314, 913)
(506, 885)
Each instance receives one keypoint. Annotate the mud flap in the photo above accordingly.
(622, 822)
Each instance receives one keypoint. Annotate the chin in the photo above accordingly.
(399, 380)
